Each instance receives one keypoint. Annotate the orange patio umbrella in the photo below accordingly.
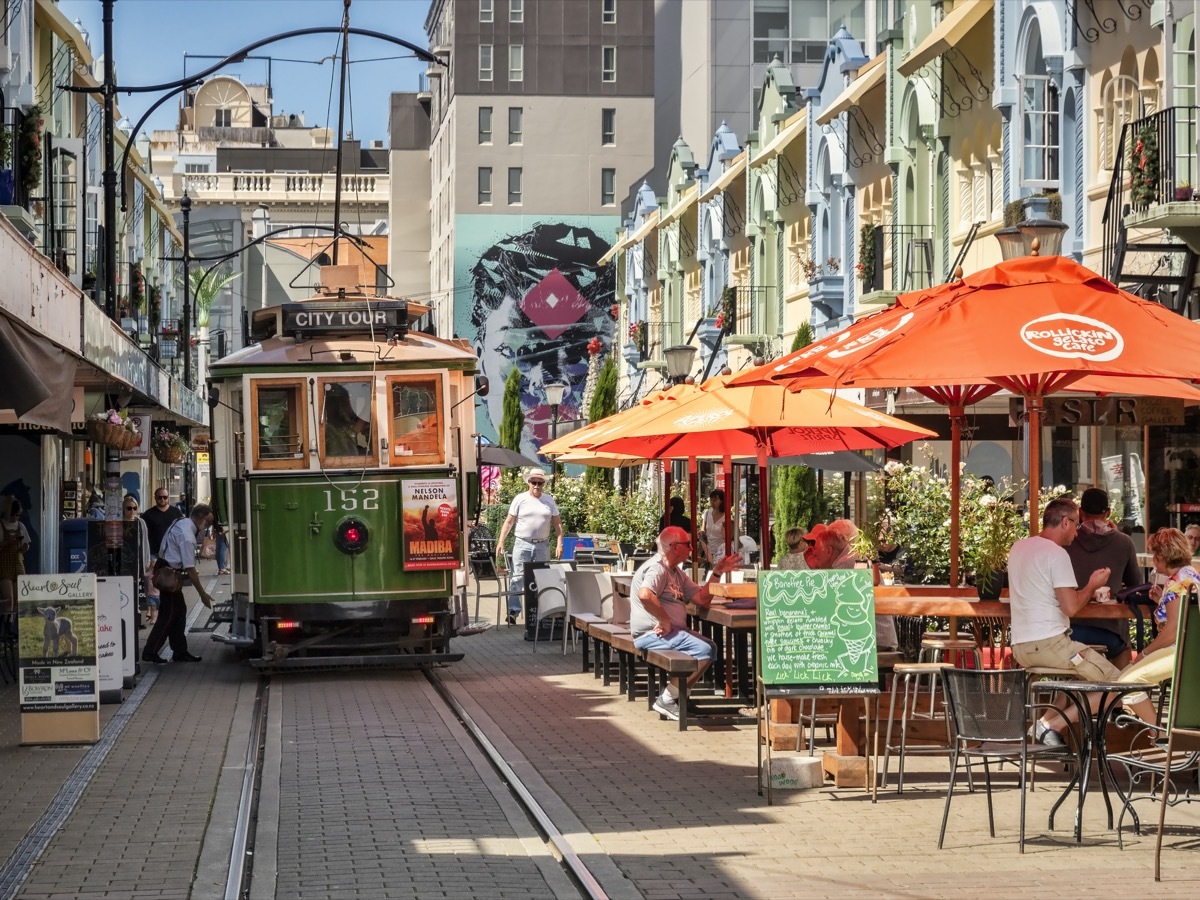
(759, 421)
(1033, 326)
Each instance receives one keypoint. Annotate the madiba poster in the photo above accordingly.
(429, 507)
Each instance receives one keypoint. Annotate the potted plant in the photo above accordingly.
(169, 446)
(810, 268)
(29, 146)
(1183, 190)
(1143, 168)
(990, 526)
(6, 174)
(866, 256)
(113, 428)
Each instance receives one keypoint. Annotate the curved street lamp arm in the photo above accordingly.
(174, 87)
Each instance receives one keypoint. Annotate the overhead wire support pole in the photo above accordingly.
(110, 175)
(337, 178)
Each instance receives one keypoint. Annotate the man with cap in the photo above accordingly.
(530, 516)
(1099, 544)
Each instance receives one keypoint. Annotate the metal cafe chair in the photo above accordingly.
(991, 716)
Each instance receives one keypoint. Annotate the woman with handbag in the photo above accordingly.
(176, 560)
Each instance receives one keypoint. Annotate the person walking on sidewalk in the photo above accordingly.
(530, 515)
(657, 610)
(158, 518)
(178, 551)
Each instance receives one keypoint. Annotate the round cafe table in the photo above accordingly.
(1093, 729)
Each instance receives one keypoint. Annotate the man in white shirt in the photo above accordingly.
(1041, 587)
(531, 515)
(178, 551)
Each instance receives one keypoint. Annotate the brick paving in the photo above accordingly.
(380, 796)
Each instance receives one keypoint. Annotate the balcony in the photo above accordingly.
(216, 134)
(904, 261)
(272, 188)
(1155, 173)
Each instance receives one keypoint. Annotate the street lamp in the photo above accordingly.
(555, 391)
(1039, 234)
(679, 362)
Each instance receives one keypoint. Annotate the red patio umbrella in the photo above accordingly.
(1033, 325)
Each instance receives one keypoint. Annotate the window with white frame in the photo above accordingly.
(485, 124)
(223, 118)
(1040, 135)
(516, 62)
(1122, 104)
(608, 12)
(608, 186)
(608, 127)
(485, 62)
(516, 117)
(516, 10)
(514, 185)
(608, 64)
(487, 10)
(485, 185)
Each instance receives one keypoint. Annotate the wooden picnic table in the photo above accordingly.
(846, 764)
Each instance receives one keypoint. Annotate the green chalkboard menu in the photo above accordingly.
(816, 632)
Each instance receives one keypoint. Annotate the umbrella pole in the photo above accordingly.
(957, 414)
(1033, 406)
(727, 465)
(693, 489)
(764, 547)
(667, 479)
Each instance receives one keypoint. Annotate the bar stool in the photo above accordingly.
(950, 648)
(907, 679)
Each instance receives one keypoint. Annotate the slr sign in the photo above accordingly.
(1124, 412)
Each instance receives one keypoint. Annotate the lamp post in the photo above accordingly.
(1038, 235)
(185, 331)
(679, 362)
(555, 391)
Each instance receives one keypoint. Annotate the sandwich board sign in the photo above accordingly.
(816, 632)
(58, 677)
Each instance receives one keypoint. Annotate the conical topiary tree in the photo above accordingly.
(604, 404)
(512, 423)
(797, 502)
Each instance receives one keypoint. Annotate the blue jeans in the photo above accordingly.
(680, 639)
(523, 552)
(222, 551)
(1114, 645)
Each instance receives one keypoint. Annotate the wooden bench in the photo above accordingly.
(601, 634)
(628, 657)
(581, 622)
(672, 664)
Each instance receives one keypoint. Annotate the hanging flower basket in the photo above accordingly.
(171, 455)
(169, 446)
(113, 429)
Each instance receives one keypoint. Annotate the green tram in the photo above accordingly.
(342, 447)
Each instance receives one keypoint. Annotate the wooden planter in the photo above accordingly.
(172, 455)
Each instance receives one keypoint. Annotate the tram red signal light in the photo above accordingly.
(423, 620)
(351, 536)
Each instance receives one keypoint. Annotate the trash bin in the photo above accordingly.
(73, 545)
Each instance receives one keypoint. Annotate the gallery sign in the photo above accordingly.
(58, 677)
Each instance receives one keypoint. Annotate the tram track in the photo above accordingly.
(240, 882)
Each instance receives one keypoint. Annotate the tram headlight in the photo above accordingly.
(351, 536)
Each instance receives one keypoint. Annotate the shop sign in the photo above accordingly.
(1120, 412)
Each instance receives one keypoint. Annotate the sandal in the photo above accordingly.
(222, 571)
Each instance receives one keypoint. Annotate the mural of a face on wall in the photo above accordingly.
(539, 298)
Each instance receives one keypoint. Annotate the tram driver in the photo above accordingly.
(345, 433)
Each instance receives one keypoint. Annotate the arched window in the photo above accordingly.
(1039, 117)
(1122, 104)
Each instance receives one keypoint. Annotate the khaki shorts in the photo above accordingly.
(1060, 651)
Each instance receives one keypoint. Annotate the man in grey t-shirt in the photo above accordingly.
(657, 611)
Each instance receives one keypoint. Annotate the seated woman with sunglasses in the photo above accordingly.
(657, 611)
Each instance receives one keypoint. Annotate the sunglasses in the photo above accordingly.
(161, 497)
(536, 483)
(128, 508)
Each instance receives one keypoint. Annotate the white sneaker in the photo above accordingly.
(668, 707)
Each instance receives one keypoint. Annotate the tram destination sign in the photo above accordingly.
(383, 318)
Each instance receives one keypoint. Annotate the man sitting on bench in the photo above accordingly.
(657, 615)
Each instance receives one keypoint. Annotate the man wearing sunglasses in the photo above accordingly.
(531, 514)
(657, 611)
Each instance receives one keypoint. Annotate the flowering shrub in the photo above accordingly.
(809, 267)
(637, 334)
(164, 439)
(990, 525)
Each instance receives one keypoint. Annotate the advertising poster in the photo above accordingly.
(58, 679)
(429, 507)
(114, 631)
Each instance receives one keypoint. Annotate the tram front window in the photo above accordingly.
(279, 429)
(416, 426)
(346, 419)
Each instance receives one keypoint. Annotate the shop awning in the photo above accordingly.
(688, 199)
(869, 77)
(611, 253)
(735, 168)
(39, 378)
(792, 129)
(644, 229)
(952, 29)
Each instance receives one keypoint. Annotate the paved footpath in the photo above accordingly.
(656, 813)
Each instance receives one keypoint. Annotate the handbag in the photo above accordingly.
(167, 578)
(208, 548)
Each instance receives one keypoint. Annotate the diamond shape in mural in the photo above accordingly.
(553, 305)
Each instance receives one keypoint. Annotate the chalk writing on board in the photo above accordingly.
(816, 631)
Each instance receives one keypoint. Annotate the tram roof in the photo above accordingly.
(415, 349)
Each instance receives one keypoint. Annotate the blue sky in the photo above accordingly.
(152, 36)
